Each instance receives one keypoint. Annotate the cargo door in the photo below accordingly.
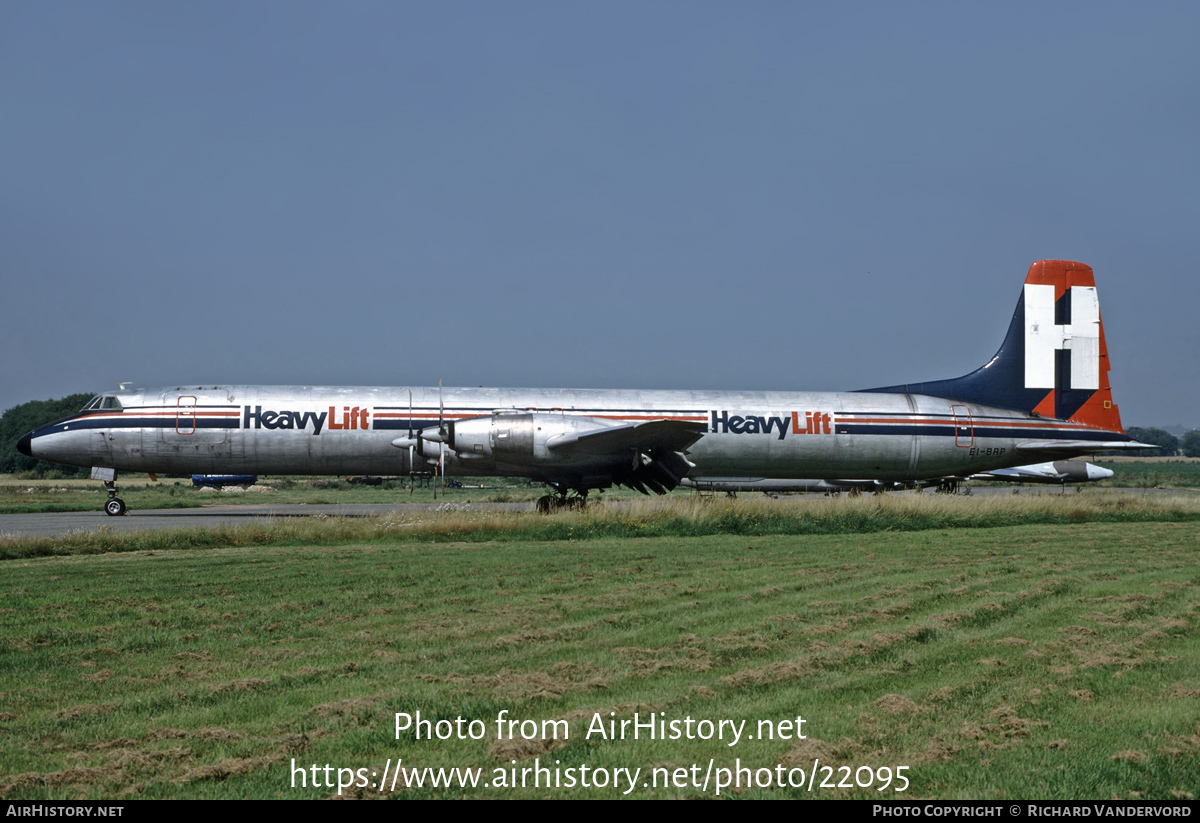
(195, 422)
(185, 415)
(964, 427)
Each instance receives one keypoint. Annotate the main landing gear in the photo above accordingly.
(948, 487)
(563, 498)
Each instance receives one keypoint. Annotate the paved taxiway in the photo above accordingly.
(55, 524)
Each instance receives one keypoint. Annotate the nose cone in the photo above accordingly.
(23, 445)
(1095, 472)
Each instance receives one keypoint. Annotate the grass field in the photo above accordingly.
(1153, 473)
(1057, 659)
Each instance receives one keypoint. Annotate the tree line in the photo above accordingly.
(20, 420)
(1169, 445)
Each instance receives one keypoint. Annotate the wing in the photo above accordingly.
(574, 451)
(672, 435)
(650, 455)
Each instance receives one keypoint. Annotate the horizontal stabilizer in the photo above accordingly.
(1070, 448)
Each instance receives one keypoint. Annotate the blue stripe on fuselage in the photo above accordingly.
(132, 422)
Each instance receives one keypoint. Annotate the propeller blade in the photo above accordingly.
(441, 410)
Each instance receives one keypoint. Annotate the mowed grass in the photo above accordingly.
(673, 516)
(1016, 661)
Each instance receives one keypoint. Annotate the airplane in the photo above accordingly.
(1058, 471)
(1045, 395)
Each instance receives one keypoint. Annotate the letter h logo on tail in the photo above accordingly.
(1064, 350)
(1044, 337)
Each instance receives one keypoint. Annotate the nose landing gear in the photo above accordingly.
(114, 506)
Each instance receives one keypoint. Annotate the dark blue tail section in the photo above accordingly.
(1000, 382)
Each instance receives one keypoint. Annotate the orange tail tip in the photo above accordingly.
(1062, 274)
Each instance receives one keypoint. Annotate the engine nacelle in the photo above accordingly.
(571, 451)
(519, 439)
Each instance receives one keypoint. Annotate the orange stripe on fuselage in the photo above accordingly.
(977, 423)
(423, 414)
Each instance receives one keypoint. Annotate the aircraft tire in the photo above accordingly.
(545, 504)
(114, 507)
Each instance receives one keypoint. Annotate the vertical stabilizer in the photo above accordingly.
(1053, 361)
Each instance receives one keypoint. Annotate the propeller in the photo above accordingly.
(441, 440)
(412, 447)
(417, 441)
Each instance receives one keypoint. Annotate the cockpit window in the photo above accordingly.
(102, 402)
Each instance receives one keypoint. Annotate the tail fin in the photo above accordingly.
(1053, 362)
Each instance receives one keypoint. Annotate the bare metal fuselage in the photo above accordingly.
(366, 430)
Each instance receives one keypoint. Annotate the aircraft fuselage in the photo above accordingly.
(365, 430)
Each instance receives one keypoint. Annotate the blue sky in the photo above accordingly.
(661, 195)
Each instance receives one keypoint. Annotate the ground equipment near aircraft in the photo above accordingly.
(732, 485)
(217, 481)
(1045, 395)
(1058, 472)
